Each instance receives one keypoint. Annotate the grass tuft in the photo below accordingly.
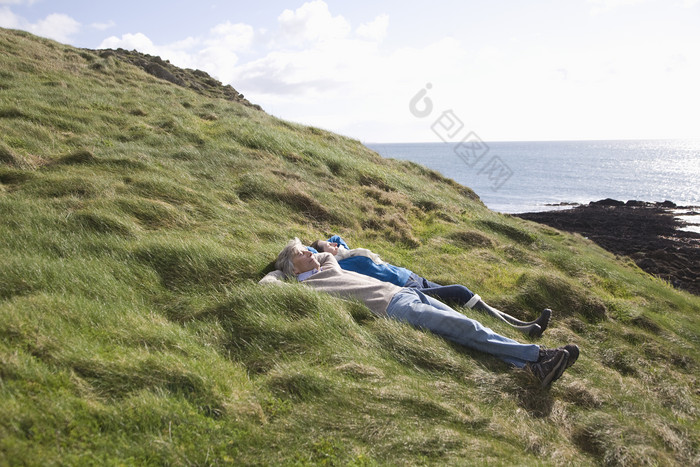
(78, 157)
(194, 264)
(546, 290)
(103, 223)
(472, 239)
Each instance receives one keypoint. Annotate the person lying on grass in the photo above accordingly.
(366, 262)
(322, 272)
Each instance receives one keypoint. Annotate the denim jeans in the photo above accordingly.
(455, 293)
(414, 307)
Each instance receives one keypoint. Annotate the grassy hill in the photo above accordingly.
(137, 217)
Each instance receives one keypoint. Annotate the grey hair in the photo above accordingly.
(284, 259)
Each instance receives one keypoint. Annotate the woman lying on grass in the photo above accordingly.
(322, 272)
(366, 262)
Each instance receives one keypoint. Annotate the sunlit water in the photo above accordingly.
(513, 177)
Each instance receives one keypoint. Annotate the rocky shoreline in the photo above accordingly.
(649, 233)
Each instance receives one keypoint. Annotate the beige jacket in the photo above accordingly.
(345, 284)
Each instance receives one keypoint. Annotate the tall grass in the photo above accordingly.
(137, 217)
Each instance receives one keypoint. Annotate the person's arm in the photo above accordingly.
(327, 261)
(347, 253)
(339, 240)
(344, 254)
(274, 277)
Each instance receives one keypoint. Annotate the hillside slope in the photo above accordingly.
(138, 216)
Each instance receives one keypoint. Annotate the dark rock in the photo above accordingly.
(649, 233)
(197, 80)
(607, 202)
(159, 72)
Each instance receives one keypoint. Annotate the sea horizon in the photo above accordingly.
(526, 176)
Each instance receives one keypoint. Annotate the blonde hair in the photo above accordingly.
(284, 259)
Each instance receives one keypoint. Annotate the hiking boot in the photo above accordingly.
(537, 327)
(533, 330)
(573, 354)
(543, 320)
(549, 366)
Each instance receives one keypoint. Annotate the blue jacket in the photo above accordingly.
(361, 264)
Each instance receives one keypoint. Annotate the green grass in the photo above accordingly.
(137, 218)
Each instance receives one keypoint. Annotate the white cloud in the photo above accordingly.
(375, 30)
(237, 37)
(103, 26)
(9, 20)
(341, 80)
(330, 60)
(312, 22)
(56, 26)
(218, 61)
(138, 41)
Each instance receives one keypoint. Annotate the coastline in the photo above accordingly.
(661, 238)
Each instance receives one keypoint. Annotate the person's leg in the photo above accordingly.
(413, 307)
(417, 282)
(532, 328)
(455, 293)
(482, 306)
(462, 296)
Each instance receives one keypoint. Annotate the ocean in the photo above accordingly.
(516, 177)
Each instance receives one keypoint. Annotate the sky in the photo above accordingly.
(402, 71)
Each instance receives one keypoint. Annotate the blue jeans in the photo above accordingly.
(414, 307)
(457, 294)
